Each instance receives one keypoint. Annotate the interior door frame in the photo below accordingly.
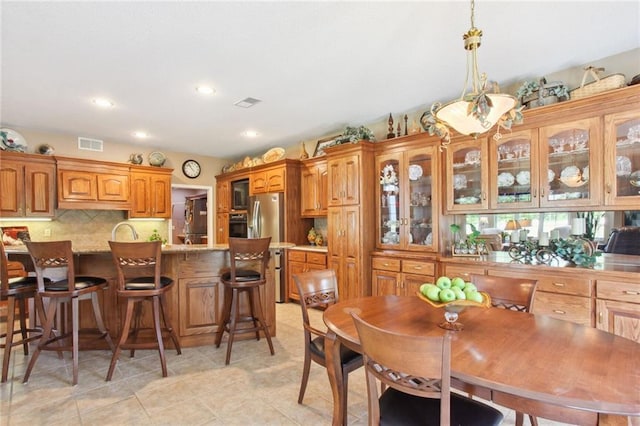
(210, 215)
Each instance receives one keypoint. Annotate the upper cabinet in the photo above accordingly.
(622, 160)
(314, 187)
(576, 155)
(27, 185)
(408, 207)
(344, 180)
(223, 195)
(88, 184)
(268, 180)
(150, 192)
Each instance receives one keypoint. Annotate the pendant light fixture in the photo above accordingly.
(478, 109)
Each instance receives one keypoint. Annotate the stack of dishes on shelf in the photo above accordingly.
(572, 176)
(505, 179)
(523, 177)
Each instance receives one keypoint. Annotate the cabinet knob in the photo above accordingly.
(541, 192)
(534, 192)
(559, 284)
(558, 311)
(600, 317)
(631, 292)
(608, 188)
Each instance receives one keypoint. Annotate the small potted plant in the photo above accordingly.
(155, 236)
(355, 134)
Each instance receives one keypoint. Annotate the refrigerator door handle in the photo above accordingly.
(255, 220)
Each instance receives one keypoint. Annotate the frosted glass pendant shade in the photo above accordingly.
(455, 114)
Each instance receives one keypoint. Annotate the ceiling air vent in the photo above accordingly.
(247, 102)
(88, 144)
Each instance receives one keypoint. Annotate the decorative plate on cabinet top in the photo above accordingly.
(523, 177)
(505, 179)
(156, 158)
(415, 172)
(12, 141)
(623, 166)
(274, 154)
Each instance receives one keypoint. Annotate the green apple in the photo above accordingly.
(458, 282)
(476, 296)
(470, 286)
(433, 293)
(443, 282)
(459, 293)
(424, 287)
(447, 295)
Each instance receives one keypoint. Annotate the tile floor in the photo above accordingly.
(255, 389)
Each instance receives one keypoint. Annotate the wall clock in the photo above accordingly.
(191, 169)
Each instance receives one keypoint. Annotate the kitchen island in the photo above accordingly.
(194, 302)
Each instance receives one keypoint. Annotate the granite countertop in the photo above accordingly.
(168, 248)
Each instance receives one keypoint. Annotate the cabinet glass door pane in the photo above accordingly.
(513, 174)
(420, 205)
(389, 226)
(467, 176)
(568, 160)
(628, 158)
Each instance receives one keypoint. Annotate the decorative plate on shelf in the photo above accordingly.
(523, 177)
(156, 158)
(634, 178)
(12, 141)
(472, 157)
(459, 181)
(623, 166)
(572, 176)
(551, 175)
(467, 200)
(415, 172)
(274, 154)
(505, 179)
(585, 173)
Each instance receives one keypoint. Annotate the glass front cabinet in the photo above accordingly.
(467, 175)
(407, 212)
(622, 160)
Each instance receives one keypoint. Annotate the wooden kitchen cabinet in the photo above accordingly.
(223, 195)
(618, 308)
(269, 180)
(87, 184)
(222, 228)
(350, 222)
(407, 197)
(150, 193)
(622, 160)
(299, 261)
(27, 185)
(314, 187)
(402, 277)
(467, 176)
(453, 270)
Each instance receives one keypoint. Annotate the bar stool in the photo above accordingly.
(139, 267)
(58, 254)
(244, 253)
(16, 291)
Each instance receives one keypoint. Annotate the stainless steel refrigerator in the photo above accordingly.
(266, 219)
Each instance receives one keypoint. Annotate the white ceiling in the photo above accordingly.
(317, 66)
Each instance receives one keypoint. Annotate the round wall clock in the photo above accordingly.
(191, 169)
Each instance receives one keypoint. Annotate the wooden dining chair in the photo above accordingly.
(16, 288)
(417, 374)
(139, 268)
(249, 261)
(319, 289)
(56, 255)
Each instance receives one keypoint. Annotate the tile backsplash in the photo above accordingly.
(89, 227)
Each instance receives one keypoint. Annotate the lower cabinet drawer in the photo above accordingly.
(561, 306)
(620, 291)
(317, 258)
(565, 285)
(418, 267)
(385, 264)
(461, 271)
(297, 255)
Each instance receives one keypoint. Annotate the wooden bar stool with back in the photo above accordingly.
(139, 268)
(70, 290)
(246, 255)
(16, 288)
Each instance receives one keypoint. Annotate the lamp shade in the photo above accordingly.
(512, 225)
(456, 114)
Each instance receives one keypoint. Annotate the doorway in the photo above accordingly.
(179, 195)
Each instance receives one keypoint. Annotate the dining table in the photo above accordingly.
(521, 354)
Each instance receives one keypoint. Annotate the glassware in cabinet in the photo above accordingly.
(569, 155)
(467, 175)
(389, 172)
(513, 170)
(622, 159)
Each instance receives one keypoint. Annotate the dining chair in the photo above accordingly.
(319, 289)
(70, 290)
(16, 288)
(249, 258)
(417, 373)
(139, 279)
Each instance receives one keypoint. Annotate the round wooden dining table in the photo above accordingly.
(526, 355)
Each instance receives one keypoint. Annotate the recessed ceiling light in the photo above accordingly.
(140, 135)
(102, 102)
(205, 90)
(250, 133)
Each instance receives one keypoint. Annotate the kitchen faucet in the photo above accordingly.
(134, 234)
